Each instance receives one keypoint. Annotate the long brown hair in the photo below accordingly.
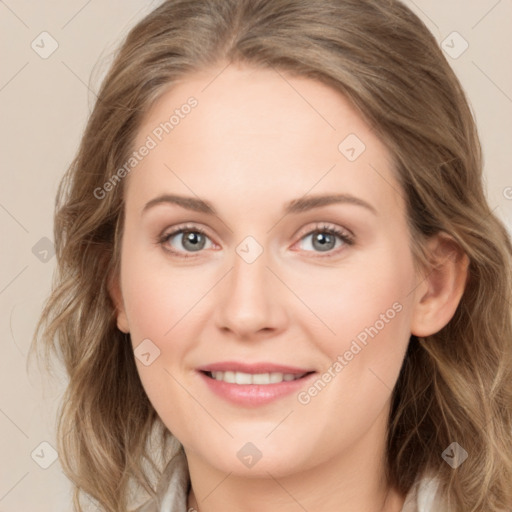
(454, 386)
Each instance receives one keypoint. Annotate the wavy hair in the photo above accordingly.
(455, 385)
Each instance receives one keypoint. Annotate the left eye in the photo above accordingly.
(324, 238)
(194, 239)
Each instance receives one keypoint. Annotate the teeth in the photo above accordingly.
(254, 378)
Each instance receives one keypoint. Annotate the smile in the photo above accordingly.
(253, 385)
(243, 378)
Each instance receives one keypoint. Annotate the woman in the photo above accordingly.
(210, 344)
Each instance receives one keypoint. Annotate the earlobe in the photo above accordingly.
(117, 298)
(442, 286)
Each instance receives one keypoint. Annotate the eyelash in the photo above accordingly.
(344, 236)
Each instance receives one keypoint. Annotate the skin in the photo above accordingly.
(256, 140)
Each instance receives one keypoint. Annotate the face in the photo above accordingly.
(266, 283)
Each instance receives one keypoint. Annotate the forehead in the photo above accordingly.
(243, 101)
(258, 133)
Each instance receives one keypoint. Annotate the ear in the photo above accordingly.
(114, 289)
(441, 287)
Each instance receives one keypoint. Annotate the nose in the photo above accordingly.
(252, 300)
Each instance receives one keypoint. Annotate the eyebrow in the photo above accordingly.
(299, 205)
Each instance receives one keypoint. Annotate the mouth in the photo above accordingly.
(262, 379)
(256, 384)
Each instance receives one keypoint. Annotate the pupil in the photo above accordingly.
(194, 239)
(324, 240)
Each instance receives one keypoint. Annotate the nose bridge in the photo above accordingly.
(249, 279)
(249, 301)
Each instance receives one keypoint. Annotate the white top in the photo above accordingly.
(172, 491)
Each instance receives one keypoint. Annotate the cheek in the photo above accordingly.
(156, 296)
(157, 304)
(368, 312)
(366, 299)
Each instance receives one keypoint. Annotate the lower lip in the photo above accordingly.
(254, 394)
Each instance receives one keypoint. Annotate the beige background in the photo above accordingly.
(44, 105)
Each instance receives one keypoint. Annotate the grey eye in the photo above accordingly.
(193, 240)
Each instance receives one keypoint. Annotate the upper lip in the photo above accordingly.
(253, 368)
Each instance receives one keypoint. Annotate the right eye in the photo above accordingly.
(191, 238)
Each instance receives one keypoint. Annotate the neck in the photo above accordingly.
(392, 502)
